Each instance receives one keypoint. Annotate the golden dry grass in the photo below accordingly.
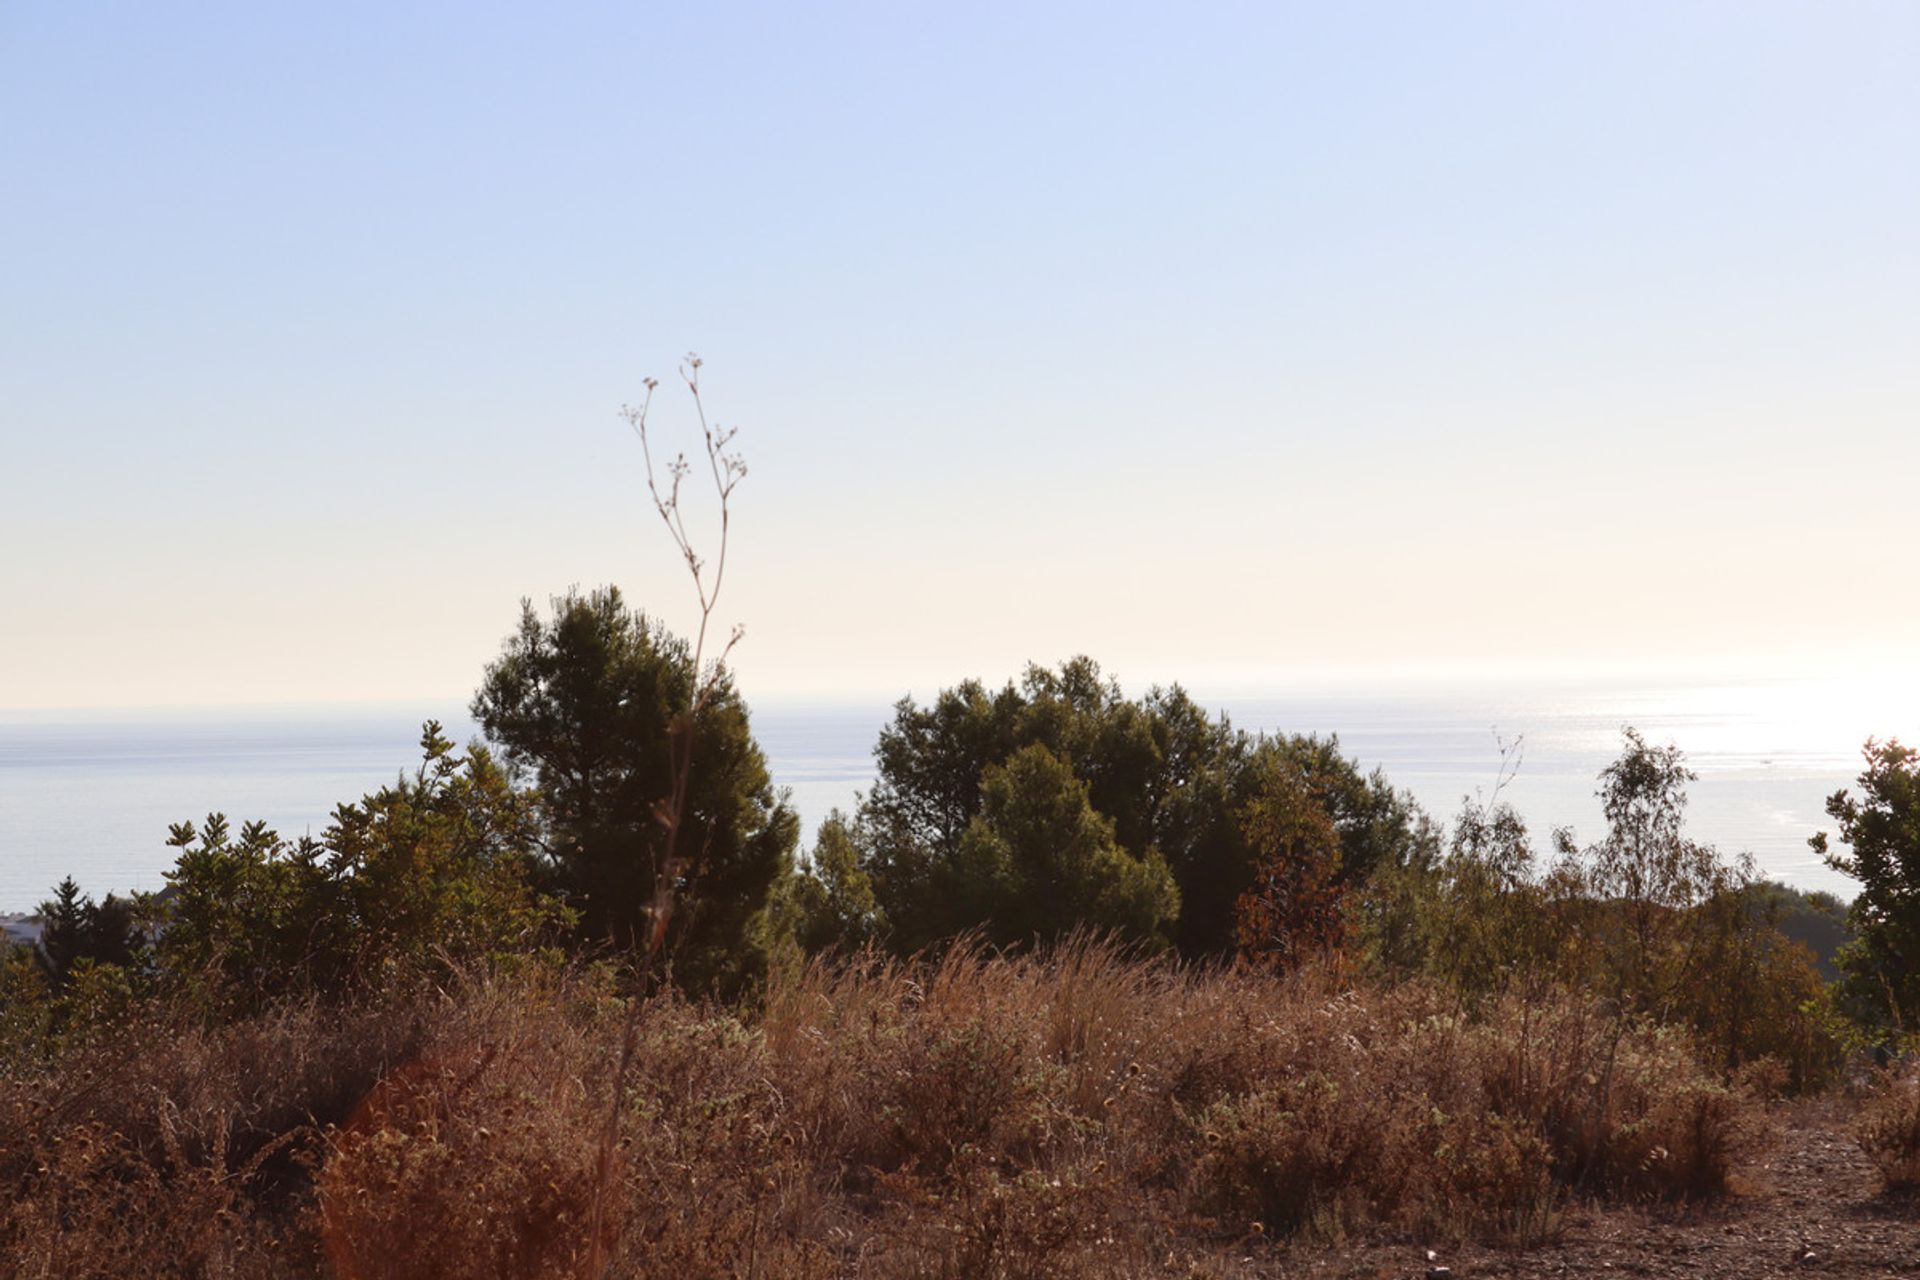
(1075, 1113)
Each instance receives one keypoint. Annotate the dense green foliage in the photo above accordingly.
(417, 881)
(75, 929)
(1038, 855)
(588, 703)
(1294, 910)
(992, 809)
(1812, 917)
(832, 905)
(436, 869)
(1882, 828)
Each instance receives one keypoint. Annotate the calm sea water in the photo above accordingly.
(91, 794)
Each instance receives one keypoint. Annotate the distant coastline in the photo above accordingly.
(91, 794)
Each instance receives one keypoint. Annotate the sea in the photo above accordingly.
(91, 793)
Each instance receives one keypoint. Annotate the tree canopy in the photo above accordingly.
(1881, 827)
(984, 796)
(587, 702)
(74, 928)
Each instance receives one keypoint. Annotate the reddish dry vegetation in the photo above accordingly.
(1076, 1114)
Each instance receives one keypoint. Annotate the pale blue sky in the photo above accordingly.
(1221, 342)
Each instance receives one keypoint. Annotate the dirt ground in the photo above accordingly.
(1811, 1205)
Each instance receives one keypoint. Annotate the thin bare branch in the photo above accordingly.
(668, 868)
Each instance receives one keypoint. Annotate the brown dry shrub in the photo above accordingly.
(1291, 1158)
(479, 1158)
(475, 1158)
(1290, 1103)
(887, 1067)
(1888, 1129)
(1625, 1107)
(711, 1183)
(98, 1207)
(1074, 1112)
(182, 1145)
(988, 1219)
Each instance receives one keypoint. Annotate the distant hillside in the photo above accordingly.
(1817, 919)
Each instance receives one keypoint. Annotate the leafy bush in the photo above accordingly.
(434, 871)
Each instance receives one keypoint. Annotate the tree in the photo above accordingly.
(590, 702)
(1173, 781)
(1039, 860)
(1670, 928)
(934, 762)
(75, 928)
(1752, 992)
(63, 930)
(1881, 827)
(114, 932)
(1646, 879)
(1483, 919)
(832, 906)
(1309, 831)
(1293, 910)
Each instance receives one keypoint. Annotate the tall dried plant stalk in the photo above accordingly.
(671, 868)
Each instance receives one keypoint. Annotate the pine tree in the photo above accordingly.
(65, 922)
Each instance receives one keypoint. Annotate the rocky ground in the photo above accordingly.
(1811, 1205)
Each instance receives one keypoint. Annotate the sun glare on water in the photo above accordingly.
(1814, 722)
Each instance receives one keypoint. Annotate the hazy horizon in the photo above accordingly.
(1885, 679)
(93, 792)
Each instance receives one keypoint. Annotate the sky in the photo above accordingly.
(1222, 342)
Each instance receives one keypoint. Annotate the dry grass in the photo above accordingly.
(474, 1157)
(1888, 1129)
(173, 1149)
(1073, 1114)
